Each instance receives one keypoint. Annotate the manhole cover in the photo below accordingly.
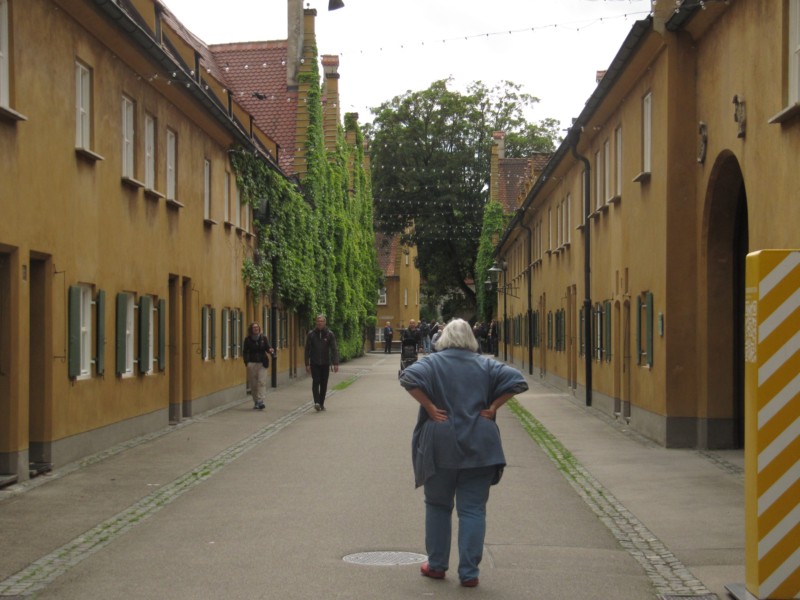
(385, 559)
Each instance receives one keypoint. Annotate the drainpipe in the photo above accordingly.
(587, 279)
(530, 307)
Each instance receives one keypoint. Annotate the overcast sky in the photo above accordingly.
(553, 48)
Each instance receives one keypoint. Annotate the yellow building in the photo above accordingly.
(627, 258)
(122, 239)
(399, 298)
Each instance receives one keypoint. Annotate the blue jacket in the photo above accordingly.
(463, 383)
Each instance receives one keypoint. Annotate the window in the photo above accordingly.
(235, 338)
(549, 229)
(598, 180)
(382, 296)
(226, 347)
(125, 334)
(207, 189)
(644, 329)
(83, 106)
(794, 52)
(405, 296)
(237, 207)
(146, 335)
(5, 80)
(647, 132)
(247, 209)
(172, 165)
(607, 170)
(618, 162)
(127, 137)
(226, 204)
(80, 331)
(149, 152)
(597, 332)
(568, 220)
(405, 252)
(207, 332)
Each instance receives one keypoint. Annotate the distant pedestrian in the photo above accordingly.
(412, 333)
(320, 353)
(256, 351)
(388, 335)
(425, 336)
(456, 450)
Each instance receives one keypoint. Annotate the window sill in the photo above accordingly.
(642, 177)
(228, 224)
(786, 114)
(132, 183)
(603, 208)
(614, 199)
(88, 155)
(153, 194)
(9, 114)
(594, 215)
(209, 222)
(580, 227)
(174, 203)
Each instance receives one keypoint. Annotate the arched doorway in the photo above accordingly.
(726, 235)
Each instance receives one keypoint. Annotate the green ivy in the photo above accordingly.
(319, 236)
(494, 223)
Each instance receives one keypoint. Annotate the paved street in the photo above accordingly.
(243, 504)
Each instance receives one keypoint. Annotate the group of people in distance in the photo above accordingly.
(456, 450)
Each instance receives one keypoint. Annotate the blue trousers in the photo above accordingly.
(468, 489)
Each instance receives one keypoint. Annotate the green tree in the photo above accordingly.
(431, 152)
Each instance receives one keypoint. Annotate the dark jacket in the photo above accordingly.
(412, 334)
(321, 347)
(256, 350)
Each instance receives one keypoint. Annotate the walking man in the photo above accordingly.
(321, 353)
(255, 352)
(388, 334)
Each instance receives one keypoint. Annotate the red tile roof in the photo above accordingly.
(256, 72)
(516, 176)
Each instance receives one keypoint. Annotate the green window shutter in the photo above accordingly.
(241, 328)
(608, 331)
(234, 331)
(212, 333)
(145, 316)
(120, 341)
(162, 334)
(74, 335)
(649, 329)
(204, 332)
(100, 343)
(638, 330)
(224, 324)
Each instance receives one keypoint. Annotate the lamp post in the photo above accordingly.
(504, 289)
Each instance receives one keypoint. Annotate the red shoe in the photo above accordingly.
(470, 582)
(426, 570)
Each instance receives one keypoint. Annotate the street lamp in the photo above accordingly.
(505, 289)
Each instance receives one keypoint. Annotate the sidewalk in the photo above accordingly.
(243, 504)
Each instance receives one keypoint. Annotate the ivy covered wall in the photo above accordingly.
(316, 240)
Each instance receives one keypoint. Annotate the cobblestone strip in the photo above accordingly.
(667, 574)
(41, 573)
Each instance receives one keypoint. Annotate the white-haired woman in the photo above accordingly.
(456, 449)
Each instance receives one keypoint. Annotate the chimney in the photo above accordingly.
(498, 152)
(330, 115)
(302, 65)
(598, 76)
(294, 43)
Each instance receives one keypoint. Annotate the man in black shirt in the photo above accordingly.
(255, 352)
(321, 352)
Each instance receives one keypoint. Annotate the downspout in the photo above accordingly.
(587, 279)
(530, 307)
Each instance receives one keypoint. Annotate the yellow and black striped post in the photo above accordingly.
(772, 425)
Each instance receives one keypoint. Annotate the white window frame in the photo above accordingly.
(5, 78)
(598, 180)
(149, 152)
(209, 333)
(647, 132)
(85, 331)
(226, 325)
(83, 106)
(206, 189)
(128, 136)
(237, 207)
(549, 229)
(618, 163)
(172, 163)
(405, 296)
(568, 220)
(247, 209)
(382, 298)
(226, 205)
(148, 353)
(130, 333)
(607, 170)
(794, 52)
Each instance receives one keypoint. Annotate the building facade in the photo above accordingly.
(625, 265)
(122, 237)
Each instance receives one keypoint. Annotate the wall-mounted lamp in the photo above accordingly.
(334, 4)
